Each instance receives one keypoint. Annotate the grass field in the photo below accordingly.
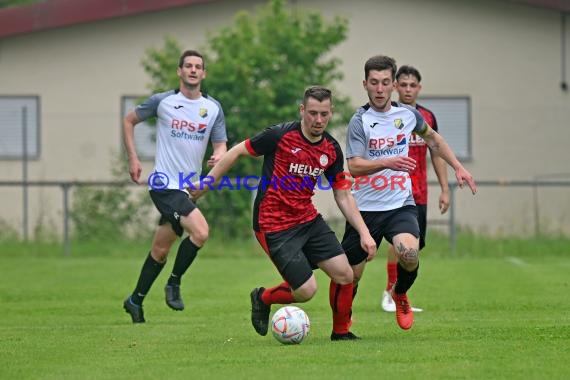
(504, 316)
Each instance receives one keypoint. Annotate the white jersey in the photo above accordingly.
(183, 129)
(373, 135)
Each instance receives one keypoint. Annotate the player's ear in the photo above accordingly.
(301, 109)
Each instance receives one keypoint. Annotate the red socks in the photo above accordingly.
(279, 294)
(392, 269)
(340, 298)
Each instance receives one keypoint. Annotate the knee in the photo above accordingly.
(345, 277)
(409, 257)
(410, 260)
(357, 272)
(305, 293)
(160, 253)
(200, 235)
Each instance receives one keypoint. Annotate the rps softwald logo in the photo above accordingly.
(188, 130)
(188, 126)
(387, 142)
(401, 139)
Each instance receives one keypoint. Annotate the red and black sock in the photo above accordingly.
(340, 298)
(392, 269)
(354, 291)
(280, 294)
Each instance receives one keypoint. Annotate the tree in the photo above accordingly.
(262, 63)
(258, 69)
(110, 213)
(16, 3)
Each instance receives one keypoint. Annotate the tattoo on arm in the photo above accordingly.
(434, 146)
(431, 142)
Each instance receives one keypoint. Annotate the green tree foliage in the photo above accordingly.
(262, 63)
(160, 65)
(258, 68)
(110, 213)
(17, 3)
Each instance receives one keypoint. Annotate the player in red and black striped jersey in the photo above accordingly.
(287, 225)
(408, 85)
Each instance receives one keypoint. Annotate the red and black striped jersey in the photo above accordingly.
(418, 150)
(292, 167)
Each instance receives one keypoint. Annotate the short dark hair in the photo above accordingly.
(380, 63)
(190, 53)
(408, 70)
(317, 92)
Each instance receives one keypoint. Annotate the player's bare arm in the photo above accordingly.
(347, 205)
(358, 166)
(439, 146)
(440, 168)
(135, 167)
(220, 148)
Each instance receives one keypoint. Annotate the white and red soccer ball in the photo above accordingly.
(290, 325)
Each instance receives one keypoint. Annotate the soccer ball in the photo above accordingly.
(290, 325)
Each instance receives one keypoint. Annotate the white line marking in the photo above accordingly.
(516, 261)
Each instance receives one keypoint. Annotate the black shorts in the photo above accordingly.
(422, 221)
(297, 251)
(172, 204)
(382, 224)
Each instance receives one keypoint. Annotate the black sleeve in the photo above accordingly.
(265, 142)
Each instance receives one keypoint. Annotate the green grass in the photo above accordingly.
(489, 317)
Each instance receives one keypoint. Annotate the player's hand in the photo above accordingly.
(135, 170)
(214, 158)
(463, 176)
(400, 163)
(196, 190)
(444, 201)
(368, 245)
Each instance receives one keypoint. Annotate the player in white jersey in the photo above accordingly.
(186, 120)
(408, 86)
(377, 154)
